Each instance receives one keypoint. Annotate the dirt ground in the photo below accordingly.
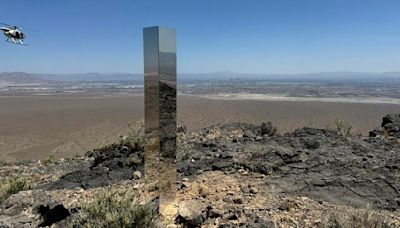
(35, 127)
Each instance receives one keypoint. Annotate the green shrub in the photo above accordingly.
(110, 208)
(12, 186)
(48, 160)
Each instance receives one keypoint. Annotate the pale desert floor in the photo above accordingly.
(35, 127)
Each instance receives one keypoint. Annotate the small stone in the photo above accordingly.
(172, 226)
(134, 160)
(238, 201)
(137, 175)
(204, 190)
(254, 190)
(317, 221)
(136, 186)
(258, 138)
(186, 184)
(215, 213)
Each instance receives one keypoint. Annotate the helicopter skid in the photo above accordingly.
(22, 44)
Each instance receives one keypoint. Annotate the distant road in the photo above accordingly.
(267, 97)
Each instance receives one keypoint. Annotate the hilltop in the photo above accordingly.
(231, 175)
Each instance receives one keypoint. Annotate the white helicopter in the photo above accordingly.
(13, 33)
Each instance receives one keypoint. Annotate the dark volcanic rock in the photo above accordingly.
(375, 133)
(52, 215)
(391, 123)
(111, 164)
(310, 162)
(15, 206)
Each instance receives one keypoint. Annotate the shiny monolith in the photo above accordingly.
(160, 111)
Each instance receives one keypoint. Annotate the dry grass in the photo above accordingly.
(136, 135)
(268, 129)
(261, 150)
(357, 218)
(110, 208)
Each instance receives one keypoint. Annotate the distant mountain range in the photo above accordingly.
(22, 77)
(308, 76)
(93, 77)
(19, 78)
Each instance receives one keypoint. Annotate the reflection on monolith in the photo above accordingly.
(160, 111)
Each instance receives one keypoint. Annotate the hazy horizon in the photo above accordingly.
(212, 72)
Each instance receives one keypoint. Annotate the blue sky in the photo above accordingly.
(252, 36)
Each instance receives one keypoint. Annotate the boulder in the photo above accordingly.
(375, 133)
(391, 124)
(191, 213)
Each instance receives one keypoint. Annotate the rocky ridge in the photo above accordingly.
(230, 175)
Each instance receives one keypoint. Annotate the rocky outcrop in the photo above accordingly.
(317, 163)
(32, 209)
(390, 127)
(109, 165)
(230, 175)
(391, 124)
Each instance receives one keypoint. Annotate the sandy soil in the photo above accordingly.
(34, 127)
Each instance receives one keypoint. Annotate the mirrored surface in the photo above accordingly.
(160, 110)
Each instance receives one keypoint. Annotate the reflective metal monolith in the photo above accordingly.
(160, 111)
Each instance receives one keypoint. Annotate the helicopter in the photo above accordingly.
(13, 33)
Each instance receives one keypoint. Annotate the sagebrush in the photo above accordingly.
(136, 134)
(110, 208)
(341, 127)
(12, 186)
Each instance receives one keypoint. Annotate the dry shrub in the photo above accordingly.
(357, 218)
(342, 127)
(3, 191)
(268, 129)
(110, 208)
(49, 160)
(261, 150)
(12, 186)
(136, 134)
(183, 147)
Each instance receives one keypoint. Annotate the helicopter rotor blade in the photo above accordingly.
(6, 24)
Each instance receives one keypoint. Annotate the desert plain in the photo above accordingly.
(67, 125)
